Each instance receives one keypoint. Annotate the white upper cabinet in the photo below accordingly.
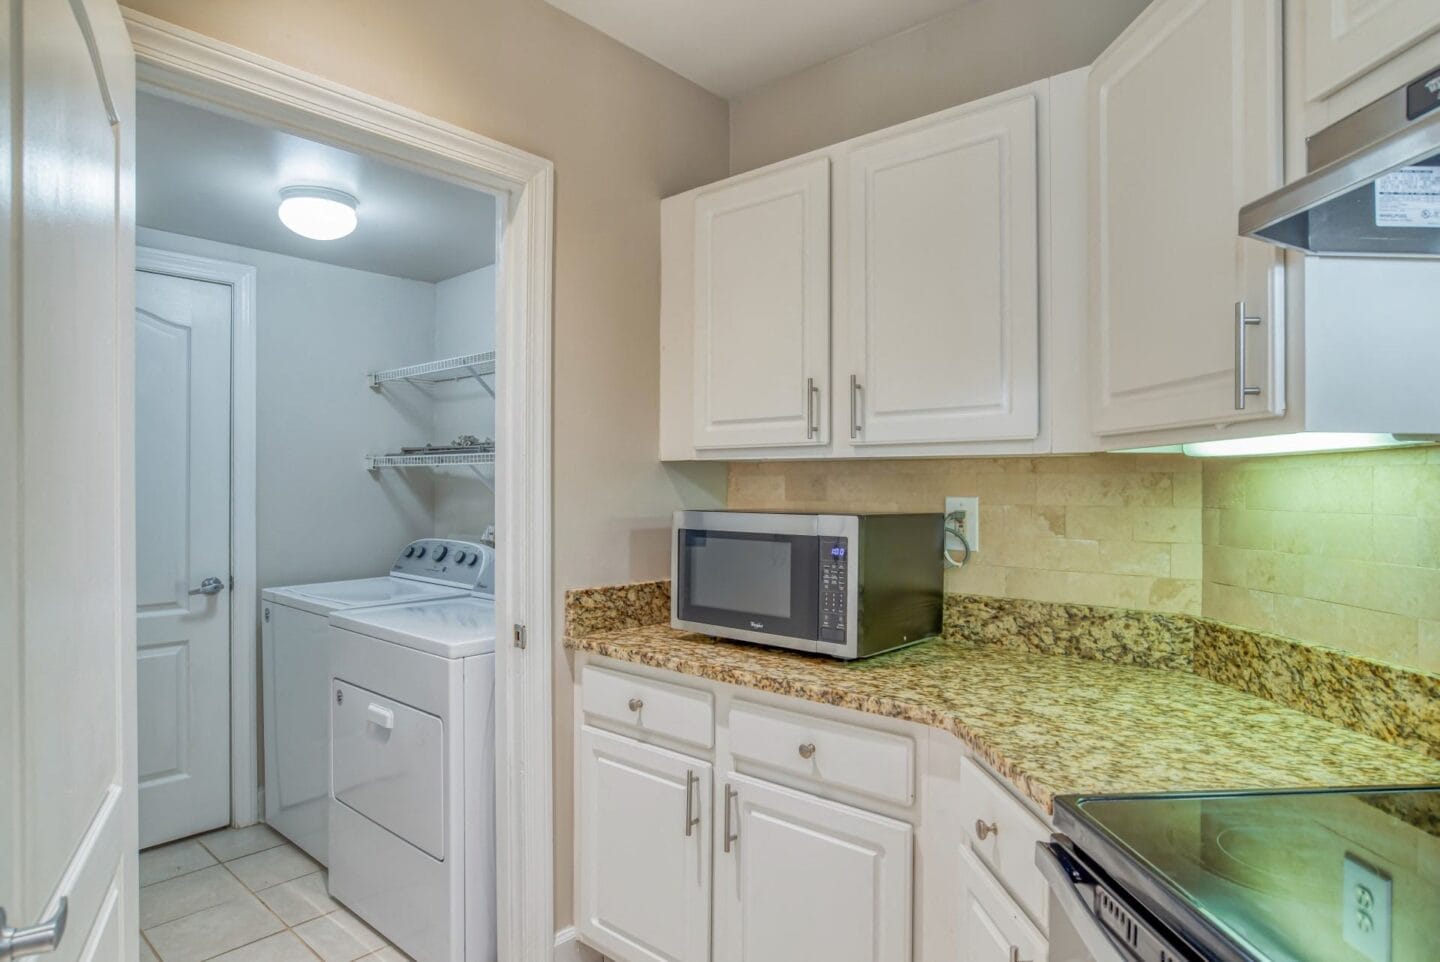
(802, 877)
(643, 850)
(941, 281)
(762, 309)
(1185, 127)
(1344, 39)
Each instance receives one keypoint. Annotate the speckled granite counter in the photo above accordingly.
(1052, 724)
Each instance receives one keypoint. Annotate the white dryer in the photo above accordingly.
(412, 814)
(295, 669)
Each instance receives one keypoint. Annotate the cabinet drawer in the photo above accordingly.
(618, 700)
(1010, 830)
(875, 764)
(992, 927)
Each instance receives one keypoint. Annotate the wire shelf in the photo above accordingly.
(439, 372)
(437, 460)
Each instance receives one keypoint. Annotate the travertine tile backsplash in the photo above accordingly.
(1340, 550)
(1121, 530)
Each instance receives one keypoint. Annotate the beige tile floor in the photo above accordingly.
(246, 895)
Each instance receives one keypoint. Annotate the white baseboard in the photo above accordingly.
(569, 948)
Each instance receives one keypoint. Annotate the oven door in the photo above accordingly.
(748, 577)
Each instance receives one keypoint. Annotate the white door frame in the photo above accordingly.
(203, 71)
(244, 594)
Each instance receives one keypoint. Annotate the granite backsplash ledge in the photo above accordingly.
(1394, 704)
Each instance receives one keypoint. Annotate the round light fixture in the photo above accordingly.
(318, 213)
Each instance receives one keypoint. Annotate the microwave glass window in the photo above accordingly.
(748, 575)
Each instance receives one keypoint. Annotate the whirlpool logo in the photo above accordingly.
(757, 626)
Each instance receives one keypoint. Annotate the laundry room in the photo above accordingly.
(316, 439)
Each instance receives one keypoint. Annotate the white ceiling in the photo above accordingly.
(212, 176)
(730, 47)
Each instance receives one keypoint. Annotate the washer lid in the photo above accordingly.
(453, 628)
(329, 596)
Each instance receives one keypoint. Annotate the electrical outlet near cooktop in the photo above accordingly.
(1365, 909)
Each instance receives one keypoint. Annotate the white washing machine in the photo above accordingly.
(412, 813)
(295, 669)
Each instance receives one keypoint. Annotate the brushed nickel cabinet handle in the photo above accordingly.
(636, 704)
(984, 829)
(1242, 321)
(807, 750)
(730, 836)
(855, 394)
(812, 406)
(691, 780)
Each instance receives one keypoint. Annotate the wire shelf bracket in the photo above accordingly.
(478, 366)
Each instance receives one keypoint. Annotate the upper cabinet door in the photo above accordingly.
(1346, 38)
(806, 878)
(1185, 127)
(762, 309)
(942, 282)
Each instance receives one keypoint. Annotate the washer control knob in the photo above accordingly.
(441, 552)
(474, 557)
(410, 551)
(420, 551)
(459, 557)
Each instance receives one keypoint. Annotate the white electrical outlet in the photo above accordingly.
(1365, 910)
(969, 524)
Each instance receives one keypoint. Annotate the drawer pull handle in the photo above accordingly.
(636, 704)
(691, 779)
(1015, 954)
(984, 830)
(807, 750)
(730, 837)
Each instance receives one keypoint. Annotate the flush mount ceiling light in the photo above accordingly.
(318, 213)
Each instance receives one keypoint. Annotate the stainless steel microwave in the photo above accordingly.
(844, 585)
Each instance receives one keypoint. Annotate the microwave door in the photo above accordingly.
(753, 586)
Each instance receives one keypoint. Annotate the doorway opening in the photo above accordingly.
(347, 408)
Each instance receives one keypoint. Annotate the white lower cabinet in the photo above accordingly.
(801, 877)
(992, 927)
(643, 850)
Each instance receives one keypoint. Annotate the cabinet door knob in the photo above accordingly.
(807, 750)
(984, 829)
(636, 704)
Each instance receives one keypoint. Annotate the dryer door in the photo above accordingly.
(388, 764)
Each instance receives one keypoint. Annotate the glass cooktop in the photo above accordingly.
(1340, 875)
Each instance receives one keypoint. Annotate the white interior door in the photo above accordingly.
(67, 792)
(182, 534)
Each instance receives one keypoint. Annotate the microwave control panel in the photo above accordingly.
(834, 588)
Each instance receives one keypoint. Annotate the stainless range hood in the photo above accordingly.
(1373, 186)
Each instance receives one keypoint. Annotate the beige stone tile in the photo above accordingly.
(1007, 552)
(1039, 585)
(1275, 572)
(280, 947)
(233, 843)
(1032, 522)
(1223, 485)
(271, 867)
(1247, 529)
(1175, 594)
(184, 895)
(299, 900)
(1408, 489)
(1118, 591)
(1225, 565)
(1061, 554)
(1428, 648)
(747, 490)
(1383, 635)
(1171, 525)
(1394, 588)
(1098, 522)
(1001, 488)
(1153, 490)
(1238, 606)
(339, 937)
(1210, 525)
(976, 580)
(1137, 558)
(1407, 540)
(1187, 490)
(168, 861)
(1323, 533)
(1187, 561)
(212, 931)
(1321, 487)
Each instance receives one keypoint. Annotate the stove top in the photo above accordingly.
(1333, 875)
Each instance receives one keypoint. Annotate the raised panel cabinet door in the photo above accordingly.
(1185, 128)
(644, 850)
(801, 877)
(762, 309)
(943, 281)
(1346, 38)
(992, 928)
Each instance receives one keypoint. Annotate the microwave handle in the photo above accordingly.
(1102, 946)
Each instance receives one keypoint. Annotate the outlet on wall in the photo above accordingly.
(1365, 910)
(968, 522)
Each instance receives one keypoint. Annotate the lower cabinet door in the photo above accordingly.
(802, 878)
(644, 852)
(992, 927)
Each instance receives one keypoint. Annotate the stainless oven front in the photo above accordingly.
(788, 580)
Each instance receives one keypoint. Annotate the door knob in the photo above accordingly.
(210, 586)
(44, 937)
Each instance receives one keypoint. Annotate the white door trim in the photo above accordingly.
(192, 67)
(245, 595)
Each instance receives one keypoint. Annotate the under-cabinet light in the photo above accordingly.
(1309, 442)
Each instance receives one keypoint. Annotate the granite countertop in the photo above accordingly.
(1053, 724)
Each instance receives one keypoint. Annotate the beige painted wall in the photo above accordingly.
(983, 48)
(623, 132)
(1105, 529)
(1339, 549)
